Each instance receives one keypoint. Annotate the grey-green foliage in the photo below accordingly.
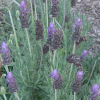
(35, 84)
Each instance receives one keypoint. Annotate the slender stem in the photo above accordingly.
(4, 97)
(13, 28)
(28, 74)
(54, 57)
(50, 58)
(92, 71)
(47, 11)
(6, 68)
(23, 78)
(32, 13)
(72, 63)
(41, 6)
(17, 96)
(74, 47)
(55, 94)
(16, 2)
(74, 95)
(28, 41)
(35, 10)
(64, 12)
(53, 20)
(41, 54)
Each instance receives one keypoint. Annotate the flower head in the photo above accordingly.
(54, 74)
(95, 88)
(77, 82)
(57, 82)
(94, 92)
(78, 22)
(11, 83)
(23, 15)
(5, 54)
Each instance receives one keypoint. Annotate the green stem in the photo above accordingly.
(16, 2)
(53, 20)
(28, 74)
(92, 71)
(54, 57)
(74, 95)
(6, 68)
(17, 96)
(47, 11)
(35, 10)
(72, 63)
(64, 12)
(4, 97)
(32, 13)
(23, 78)
(13, 29)
(41, 54)
(28, 41)
(55, 94)
(50, 58)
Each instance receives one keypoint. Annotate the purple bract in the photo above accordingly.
(51, 29)
(5, 54)
(95, 88)
(22, 7)
(84, 54)
(80, 74)
(11, 83)
(78, 22)
(54, 75)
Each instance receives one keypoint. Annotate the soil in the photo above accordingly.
(91, 9)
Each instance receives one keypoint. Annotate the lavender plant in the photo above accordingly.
(25, 56)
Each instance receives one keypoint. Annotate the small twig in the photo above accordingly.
(55, 94)
(92, 71)
(64, 12)
(28, 41)
(74, 95)
(47, 11)
(41, 54)
(16, 2)
(72, 63)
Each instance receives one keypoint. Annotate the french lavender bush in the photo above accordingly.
(35, 67)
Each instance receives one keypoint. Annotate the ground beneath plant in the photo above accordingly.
(91, 9)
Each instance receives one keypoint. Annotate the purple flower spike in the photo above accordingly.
(94, 92)
(95, 88)
(78, 22)
(23, 15)
(5, 54)
(83, 55)
(11, 83)
(57, 82)
(77, 82)
(54, 74)
(80, 74)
